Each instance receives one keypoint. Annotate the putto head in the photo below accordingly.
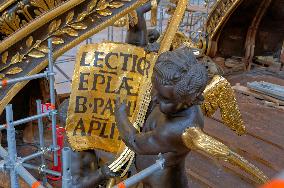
(180, 71)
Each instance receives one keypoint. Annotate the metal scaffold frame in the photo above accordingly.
(17, 165)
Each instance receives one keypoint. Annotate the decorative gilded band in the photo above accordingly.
(6, 4)
(39, 63)
(20, 29)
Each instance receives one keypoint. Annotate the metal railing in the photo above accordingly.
(159, 165)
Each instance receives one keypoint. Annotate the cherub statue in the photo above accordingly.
(83, 173)
(174, 125)
(93, 179)
(137, 33)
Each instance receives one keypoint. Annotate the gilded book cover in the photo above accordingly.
(103, 73)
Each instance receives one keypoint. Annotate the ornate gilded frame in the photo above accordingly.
(68, 25)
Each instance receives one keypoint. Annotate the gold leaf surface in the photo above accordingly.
(116, 4)
(81, 16)
(36, 54)
(37, 43)
(102, 4)
(14, 70)
(29, 41)
(58, 32)
(92, 5)
(43, 48)
(52, 26)
(58, 23)
(2, 76)
(4, 57)
(69, 17)
(71, 32)
(105, 12)
(37, 12)
(57, 40)
(16, 58)
(78, 26)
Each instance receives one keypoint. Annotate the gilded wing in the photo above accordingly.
(219, 94)
(195, 139)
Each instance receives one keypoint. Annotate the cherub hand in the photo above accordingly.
(152, 47)
(121, 118)
(124, 126)
(107, 173)
(94, 179)
(120, 109)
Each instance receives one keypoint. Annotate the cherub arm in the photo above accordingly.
(150, 143)
(94, 179)
(195, 139)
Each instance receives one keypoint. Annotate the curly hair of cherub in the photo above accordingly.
(179, 68)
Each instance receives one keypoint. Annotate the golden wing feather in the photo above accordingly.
(219, 94)
(195, 139)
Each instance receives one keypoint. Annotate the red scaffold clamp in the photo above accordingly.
(60, 142)
(47, 107)
(4, 83)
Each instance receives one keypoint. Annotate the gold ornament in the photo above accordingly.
(144, 97)
(133, 18)
(154, 9)
(50, 15)
(14, 70)
(220, 94)
(195, 139)
(91, 123)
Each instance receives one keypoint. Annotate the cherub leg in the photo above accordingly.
(195, 139)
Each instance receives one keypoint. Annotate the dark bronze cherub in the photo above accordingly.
(179, 81)
(137, 34)
(174, 125)
(93, 179)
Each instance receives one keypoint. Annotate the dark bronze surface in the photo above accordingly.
(179, 81)
(137, 35)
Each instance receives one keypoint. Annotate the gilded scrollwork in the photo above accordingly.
(38, 29)
(44, 5)
(9, 23)
(219, 14)
(23, 9)
(57, 28)
(23, 13)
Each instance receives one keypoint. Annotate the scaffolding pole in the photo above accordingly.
(66, 171)
(14, 164)
(12, 152)
(52, 101)
(3, 83)
(41, 169)
(26, 120)
(41, 140)
(159, 165)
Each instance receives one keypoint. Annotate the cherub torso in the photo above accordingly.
(171, 129)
